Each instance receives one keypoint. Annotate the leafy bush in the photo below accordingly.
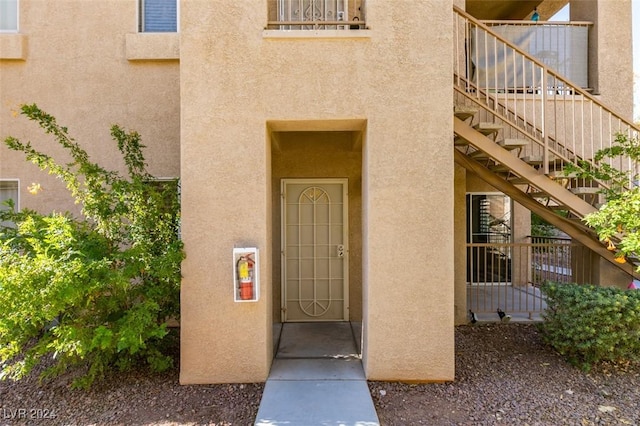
(95, 291)
(618, 221)
(589, 324)
(540, 227)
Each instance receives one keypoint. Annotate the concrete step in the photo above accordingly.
(511, 144)
(538, 195)
(464, 112)
(479, 155)
(517, 180)
(499, 168)
(488, 129)
(533, 160)
(558, 207)
(538, 160)
(585, 190)
(317, 378)
(560, 174)
(458, 141)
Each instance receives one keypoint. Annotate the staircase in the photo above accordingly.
(519, 125)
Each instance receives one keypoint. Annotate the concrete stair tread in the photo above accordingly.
(512, 144)
(488, 128)
(517, 180)
(538, 194)
(538, 160)
(464, 112)
(499, 168)
(458, 141)
(560, 174)
(585, 190)
(533, 160)
(479, 155)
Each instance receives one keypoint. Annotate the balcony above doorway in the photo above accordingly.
(316, 15)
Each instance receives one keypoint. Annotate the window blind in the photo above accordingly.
(8, 15)
(159, 16)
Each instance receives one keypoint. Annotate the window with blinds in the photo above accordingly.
(8, 191)
(158, 16)
(8, 16)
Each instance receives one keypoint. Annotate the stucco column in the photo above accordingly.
(226, 201)
(409, 255)
(224, 206)
(408, 201)
(460, 244)
(520, 256)
(610, 50)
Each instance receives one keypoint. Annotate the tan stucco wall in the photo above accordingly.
(320, 155)
(73, 65)
(236, 81)
(590, 268)
(610, 50)
(460, 244)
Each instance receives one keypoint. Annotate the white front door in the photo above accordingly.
(315, 250)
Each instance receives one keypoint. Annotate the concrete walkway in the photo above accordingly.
(317, 378)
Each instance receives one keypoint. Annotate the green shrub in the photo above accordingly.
(589, 324)
(617, 222)
(95, 291)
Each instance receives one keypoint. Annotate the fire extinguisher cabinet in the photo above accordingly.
(246, 279)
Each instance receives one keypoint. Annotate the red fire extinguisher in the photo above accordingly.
(244, 267)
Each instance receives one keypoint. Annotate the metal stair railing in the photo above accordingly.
(563, 122)
(530, 114)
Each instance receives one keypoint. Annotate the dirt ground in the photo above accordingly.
(505, 375)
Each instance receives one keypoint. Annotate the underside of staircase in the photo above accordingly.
(479, 149)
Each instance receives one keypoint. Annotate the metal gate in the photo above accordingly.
(315, 251)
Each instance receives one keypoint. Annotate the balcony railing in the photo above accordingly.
(316, 15)
(562, 46)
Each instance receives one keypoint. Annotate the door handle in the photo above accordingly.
(340, 250)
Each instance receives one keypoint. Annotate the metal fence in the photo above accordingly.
(508, 276)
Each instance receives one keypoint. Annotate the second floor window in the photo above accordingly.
(8, 16)
(158, 16)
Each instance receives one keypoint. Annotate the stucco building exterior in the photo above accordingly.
(332, 138)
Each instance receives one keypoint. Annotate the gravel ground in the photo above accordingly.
(504, 376)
